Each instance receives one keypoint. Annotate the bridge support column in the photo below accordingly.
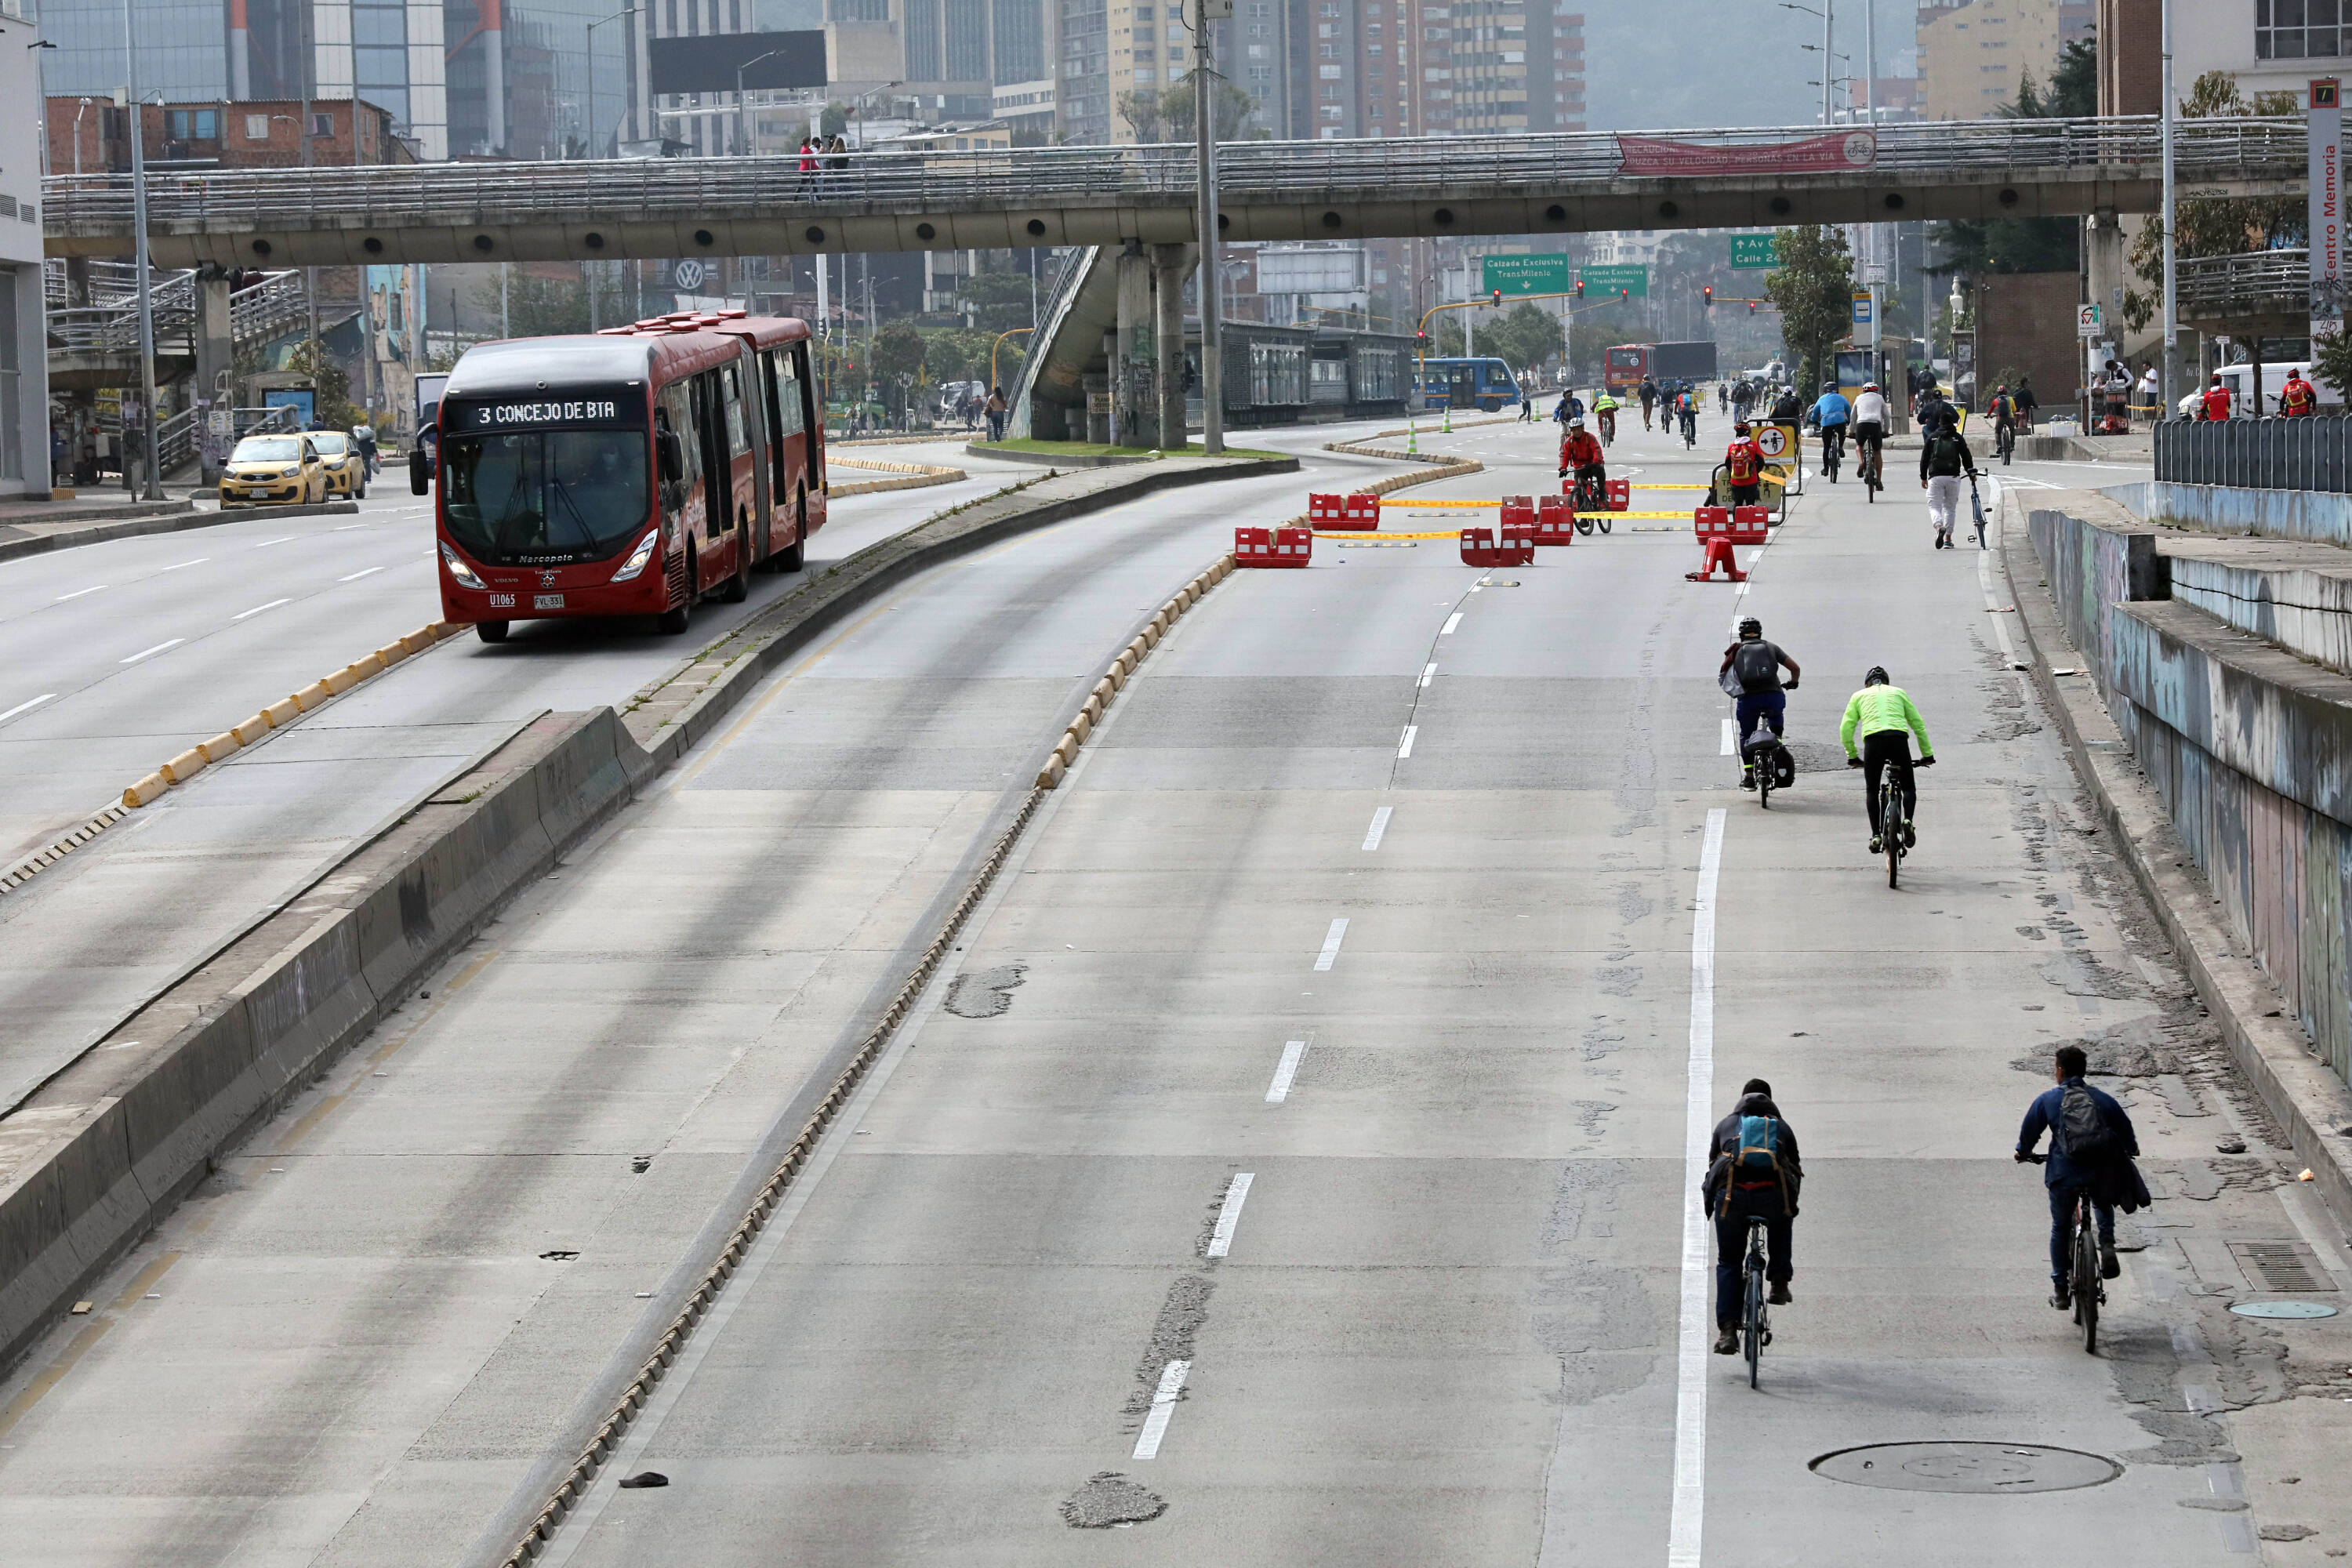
(216, 358)
(2106, 259)
(1169, 264)
(1130, 365)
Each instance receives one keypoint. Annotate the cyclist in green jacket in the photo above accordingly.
(1884, 719)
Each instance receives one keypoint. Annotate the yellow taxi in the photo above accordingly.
(285, 468)
(346, 469)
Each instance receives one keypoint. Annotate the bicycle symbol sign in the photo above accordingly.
(1773, 440)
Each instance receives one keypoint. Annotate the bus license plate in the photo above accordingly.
(502, 601)
(547, 602)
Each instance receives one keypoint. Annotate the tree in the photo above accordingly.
(544, 307)
(1169, 115)
(999, 301)
(1526, 338)
(833, 121)
(330, 384)
(1813, 287)
(2215, 227)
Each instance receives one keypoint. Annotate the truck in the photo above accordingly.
(1684, 362)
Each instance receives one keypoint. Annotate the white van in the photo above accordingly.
(2240, 380)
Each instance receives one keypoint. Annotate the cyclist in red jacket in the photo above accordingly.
(1744, 462)
(1581, 455)
(2217, 400)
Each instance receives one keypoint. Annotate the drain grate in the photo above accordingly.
(1984, 1468)
(2285, 1267)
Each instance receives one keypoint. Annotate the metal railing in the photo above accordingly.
(256, 312)
(2258, 283)
(2312, 454)
(662, 190)
(276, 304)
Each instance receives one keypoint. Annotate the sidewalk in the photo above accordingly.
(31, 527)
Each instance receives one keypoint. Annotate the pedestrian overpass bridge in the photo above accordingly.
(990, 199)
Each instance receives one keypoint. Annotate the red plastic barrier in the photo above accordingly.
(1555, 521)
(1519, 510)
(1326, 511)
(1620, 495)
(1273, 546)
(1714, 527)
(1479, 547)
(1750, 525)
(1361, 510)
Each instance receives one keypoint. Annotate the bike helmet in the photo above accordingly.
(1750, 627)
(1870, 387)
(1829, 386)
(1875, 676)
(1740, 427)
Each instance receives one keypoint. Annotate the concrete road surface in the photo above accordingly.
(1293, 1164)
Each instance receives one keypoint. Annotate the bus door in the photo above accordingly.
(684, 503)
(760, 431)
(813, 431)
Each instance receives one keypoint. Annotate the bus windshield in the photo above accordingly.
(543, 497)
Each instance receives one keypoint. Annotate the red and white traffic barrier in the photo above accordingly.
(1361, 510)
(1555, 521)
(1718, 530)
(1273, 546)
(1619, 496)
(1517, 548)
(1325, 510)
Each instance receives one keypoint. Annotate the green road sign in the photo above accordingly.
(1753, 250)
(1519, 275)
(1600, 282)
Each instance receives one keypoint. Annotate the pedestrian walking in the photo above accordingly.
(996, 414)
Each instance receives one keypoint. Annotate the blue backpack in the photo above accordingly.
(1759, 1156)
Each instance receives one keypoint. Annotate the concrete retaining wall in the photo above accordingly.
(2307, 611)
(96, 1156)
(2319, 515)
(2249, 748)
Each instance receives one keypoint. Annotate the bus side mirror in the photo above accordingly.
(673, 456)
(420, 470)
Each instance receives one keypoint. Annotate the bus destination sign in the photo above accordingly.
(609, 406)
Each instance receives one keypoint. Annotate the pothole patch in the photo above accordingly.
(985, 993)
(1109, 1499)
(1983, 1469)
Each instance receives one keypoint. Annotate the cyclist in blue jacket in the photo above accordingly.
(2068, 1174)
(1832, 415)
(1740, 1184)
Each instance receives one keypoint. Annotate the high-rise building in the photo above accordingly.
(1974, 55)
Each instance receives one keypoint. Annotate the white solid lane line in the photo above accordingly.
(1698, 1273)
(2000, 627)
(1452, 621)
(1428, 674)
(27, 707)
(1163, 1406)
(77, 593)
(1379, 825)
(1331, 940)
(357, 575)
(1229, 1213)
(151, 652)
(1293, 1053)
(1730, 737)
(1404, 747)
(197, 562)
(257, 609)
(268, 543)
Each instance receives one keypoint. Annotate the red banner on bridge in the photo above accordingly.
(1814, 156)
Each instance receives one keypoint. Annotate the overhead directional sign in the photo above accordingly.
(1519, 275)
(1753, 250)
(1602, 281)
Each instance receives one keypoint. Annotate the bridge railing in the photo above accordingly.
(2257, 454)
(2260, 282)
(680, 190)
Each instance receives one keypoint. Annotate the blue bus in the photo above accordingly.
(1483, 383)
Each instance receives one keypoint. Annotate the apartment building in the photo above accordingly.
(1973, 54)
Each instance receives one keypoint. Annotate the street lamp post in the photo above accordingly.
(151, 488)
(629, 11)
(2172, 280)
(1204, 117)
(1828, 6)
(742, 116)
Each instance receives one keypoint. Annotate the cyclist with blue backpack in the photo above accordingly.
(1752, 1171)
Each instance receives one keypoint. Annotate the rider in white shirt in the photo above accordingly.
(1869, 420)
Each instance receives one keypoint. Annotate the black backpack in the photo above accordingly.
(1755, 663)
(2083, 1132)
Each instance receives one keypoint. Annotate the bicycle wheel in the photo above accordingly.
(1764, 785)
(1890, 822)
(2086, 1278)
(1752, 1330)
(1604, 525)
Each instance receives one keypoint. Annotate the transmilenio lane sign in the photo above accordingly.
(1600, 282)
(1519, 275)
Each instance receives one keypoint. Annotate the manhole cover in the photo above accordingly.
(2283, 1310)
(1966, 1467)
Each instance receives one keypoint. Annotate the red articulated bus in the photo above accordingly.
(1623, 367)
(632, 472)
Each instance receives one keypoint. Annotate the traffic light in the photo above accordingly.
(1579, 287)
(1496, 298)
(1752, 307)
(1709, 302)
(1623, 294)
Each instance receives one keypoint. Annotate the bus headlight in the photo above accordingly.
(642, 553)
(459, 570)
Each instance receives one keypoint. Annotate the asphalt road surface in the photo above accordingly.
(1292, 1165)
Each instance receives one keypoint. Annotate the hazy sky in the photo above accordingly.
(1654, 64)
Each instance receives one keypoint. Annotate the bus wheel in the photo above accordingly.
(794, 556)
(490, 631)
(738, 586)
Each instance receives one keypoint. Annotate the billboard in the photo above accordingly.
(1337, 270)
(709, 64)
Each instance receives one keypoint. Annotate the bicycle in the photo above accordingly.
(1589, 496)
(1868, 466)
(1975, 502)
(2005, 440)
(1690, 429)
(1608, 422)
(1756, 1319)
(1765, 752)
(1832, 449)
(1891, 820)
(2086, 1280)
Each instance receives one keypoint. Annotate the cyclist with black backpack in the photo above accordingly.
(2092, 1145)
(1752, 1171)
(1754, 666)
